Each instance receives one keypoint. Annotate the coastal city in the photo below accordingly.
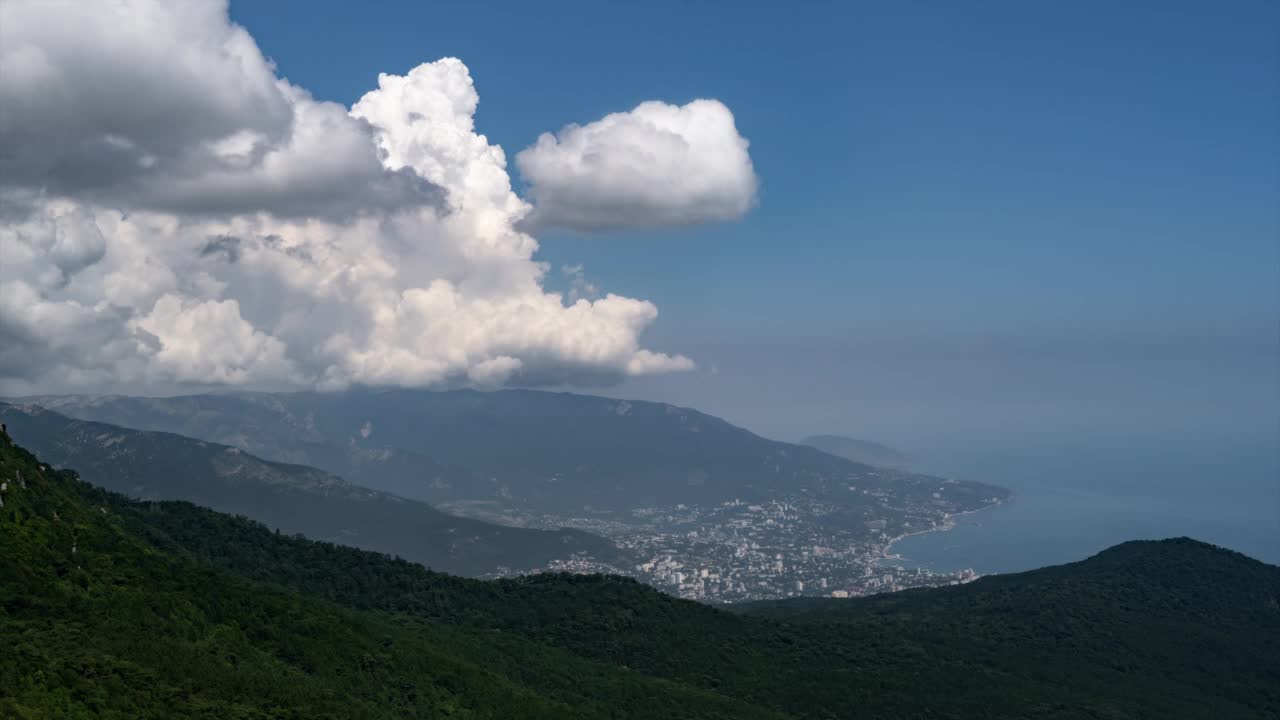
(738, 551)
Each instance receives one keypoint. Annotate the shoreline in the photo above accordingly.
(949, 524)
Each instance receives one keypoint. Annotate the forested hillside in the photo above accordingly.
(120, 609)
(96, 621)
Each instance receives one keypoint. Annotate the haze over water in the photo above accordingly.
(1071, 503)
(1101, 442)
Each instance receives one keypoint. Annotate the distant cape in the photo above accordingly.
(862, 451)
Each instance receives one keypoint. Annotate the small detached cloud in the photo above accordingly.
(657, 165)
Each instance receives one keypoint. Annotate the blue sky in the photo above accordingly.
(1048, 217)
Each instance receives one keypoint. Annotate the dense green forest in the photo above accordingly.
(112, 608)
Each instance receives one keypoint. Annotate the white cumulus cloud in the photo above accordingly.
(174, 213)
(656, 165)
(167, 105)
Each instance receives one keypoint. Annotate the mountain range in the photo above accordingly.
(558, 452)
(292, 498)
(118, 608)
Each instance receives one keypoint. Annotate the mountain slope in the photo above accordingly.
(1177, 627)
(556, 451)
(293, 498)
(131, 608)
(859, 451)
(98, 622)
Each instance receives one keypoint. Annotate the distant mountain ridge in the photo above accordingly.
(558, 451)
(860, 451)
(293, 498)
(120, 609)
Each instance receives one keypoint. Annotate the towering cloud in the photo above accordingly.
(656, 165)
(173, 212)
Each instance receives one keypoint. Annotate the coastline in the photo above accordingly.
(887, 553)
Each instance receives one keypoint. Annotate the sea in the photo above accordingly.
(1070, 503)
